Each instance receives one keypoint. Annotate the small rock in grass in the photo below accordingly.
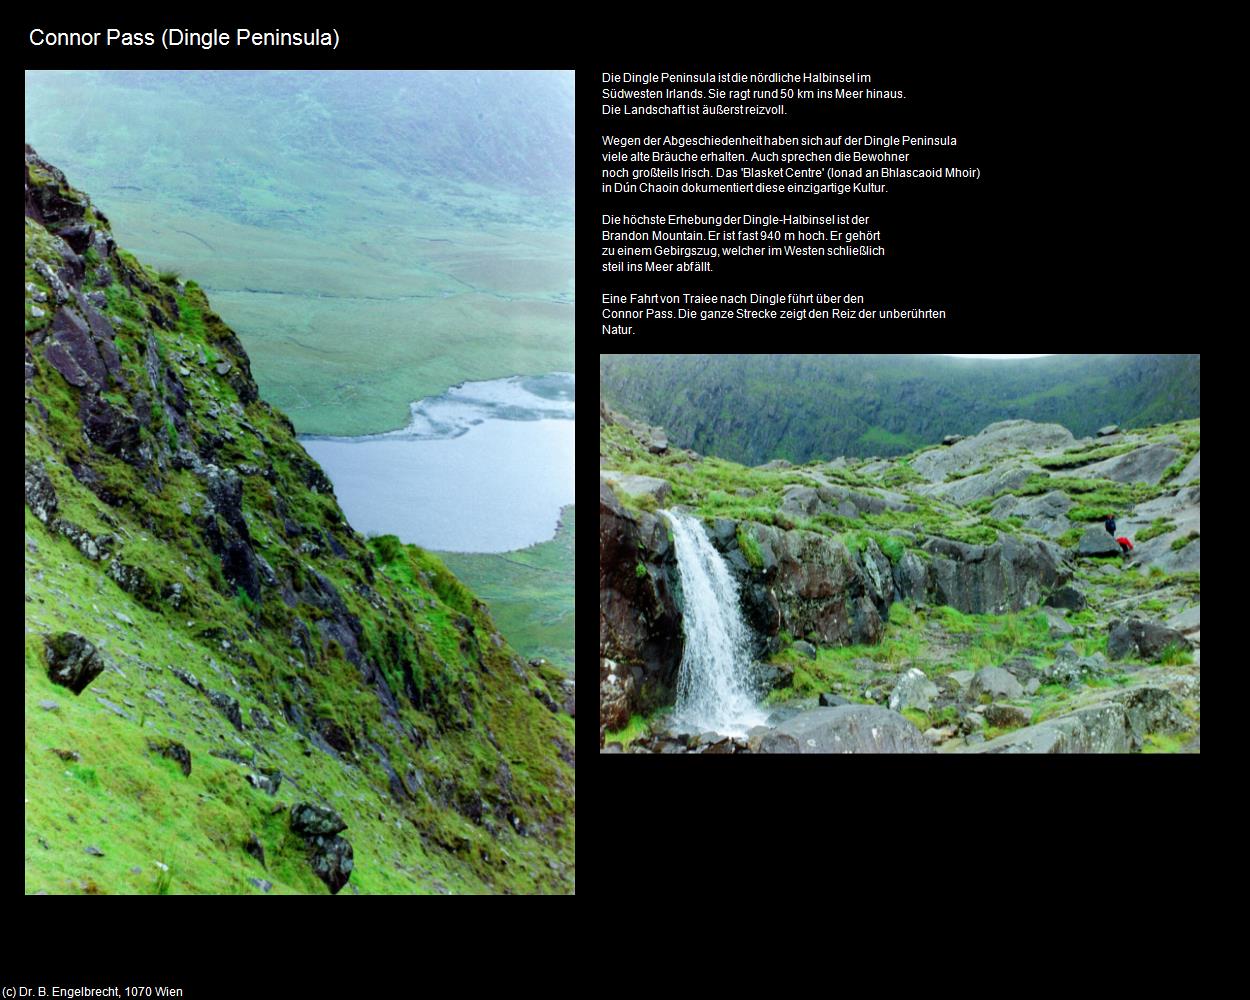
(49, 706)
(261, 884)
(93, 851)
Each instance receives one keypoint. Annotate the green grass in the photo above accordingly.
(1180, 543)
(1176, 655)
(636, 729)
(1164, 743)
(1160, 526)
(750, 546)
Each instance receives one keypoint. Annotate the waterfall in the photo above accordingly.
(713, 686)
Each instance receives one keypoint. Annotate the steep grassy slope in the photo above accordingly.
(415, 228)
(530, 591)
(175, 523)
(753, 408)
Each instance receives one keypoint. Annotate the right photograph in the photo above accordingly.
(899, 553)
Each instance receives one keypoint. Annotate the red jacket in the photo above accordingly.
(1126, 542)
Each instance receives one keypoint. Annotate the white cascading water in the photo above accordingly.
(713, 686)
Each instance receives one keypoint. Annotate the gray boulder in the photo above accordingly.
(1188, 621)
(911, 578)
(997, 683)
(832, 701)
(1143, 640)
(1145, 465)
(1108, 430)
(952, 439)
(850, 729)
(805, 649)
(1067, 597)
(1073, 671)
(1097, 542)
(639, 486)
(915, 690)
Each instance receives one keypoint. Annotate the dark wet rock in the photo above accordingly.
(228, 707)
(832, 701)
(260, 720)
(1067, 597)
(851, 729)
(110, 428)
(1009, 575)
(911, 578)
(311, 820)
(176, 752)
(772, 677)
(72, 351)
(639, 622)
(953, 439)
(1142, 640)
(334, 735)
(73, 662)
(331, 859)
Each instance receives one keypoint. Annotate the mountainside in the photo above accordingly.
(227, 688)
(753, 408)
(966, 597)
(415, 227)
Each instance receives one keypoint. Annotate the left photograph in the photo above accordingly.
(299, 528)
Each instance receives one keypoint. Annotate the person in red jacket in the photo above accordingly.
(1125, 545)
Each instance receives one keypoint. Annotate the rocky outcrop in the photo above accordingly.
(1045, 515)
(1115, 725)
(639, 620)
(807, 501)
(849, 729)
(1142, 640)
(994, 442)
(329, 854)
(658, 490)
(1009, 575)
(73, 661)
(1145, 465)
(812, 583)
(1067, 597)
(995, 682)
(979, 487)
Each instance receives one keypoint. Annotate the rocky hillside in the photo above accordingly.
(751, 408)
(228, 689)
(965, 597)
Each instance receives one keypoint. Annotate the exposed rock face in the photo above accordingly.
(986, 484)
(1097, 542)
(1184, 510)
(850, 729)
(812, 583)
(639, 622)
(329, 855)
(1046, 515)
(176, 752)
(1143, 640)
(1116, 725)
(639, 486)
(1145, 465)
(1191, 472)
(73, 662)
(993, 442)
(1009, 575)
(807, 501)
